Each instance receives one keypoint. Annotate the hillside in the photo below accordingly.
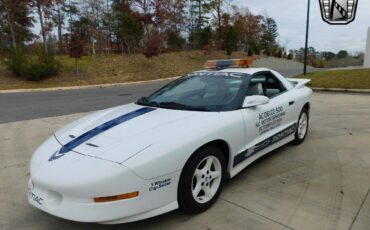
(116, 69)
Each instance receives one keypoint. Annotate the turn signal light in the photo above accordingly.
(116, 197)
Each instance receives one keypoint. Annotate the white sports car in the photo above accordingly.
(172, 149)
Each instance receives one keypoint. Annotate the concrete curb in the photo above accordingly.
(82, 87)
(338, 90)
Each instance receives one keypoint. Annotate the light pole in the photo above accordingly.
(306, 46)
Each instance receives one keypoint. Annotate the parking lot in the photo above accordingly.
(322, 184)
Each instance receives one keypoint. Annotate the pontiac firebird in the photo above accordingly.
(173, 149)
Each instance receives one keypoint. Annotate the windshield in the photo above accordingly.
(207, 91)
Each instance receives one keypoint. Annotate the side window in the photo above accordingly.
(273, 87)
(265, 85)
(256, 85)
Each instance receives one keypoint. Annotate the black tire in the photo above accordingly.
(187, 202)
(299, 140)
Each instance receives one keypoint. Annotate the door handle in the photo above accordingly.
(291, 103)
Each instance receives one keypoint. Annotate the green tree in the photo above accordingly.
(250, 52)
(231, 40)
(202, 38)
(81, 28)
(174, 40)
(128, 25)
(130, 32)
(16, 22)
(328, 55)
(342, 54)
(269, 35)
(199, 11)
(290, 56)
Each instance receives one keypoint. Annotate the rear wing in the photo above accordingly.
(298, 82)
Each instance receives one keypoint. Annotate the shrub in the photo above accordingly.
(43, 67)
(313, 63)
(250, 52)
(16, 61)
(279, 53)
(152, 45)
(321, 63)
(32, 68)
(256, 49)
(318, 63)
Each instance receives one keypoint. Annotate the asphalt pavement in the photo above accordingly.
(31, 105)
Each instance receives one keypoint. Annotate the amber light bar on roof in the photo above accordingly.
(230, 63)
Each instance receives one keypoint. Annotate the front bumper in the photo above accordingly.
(75, 201)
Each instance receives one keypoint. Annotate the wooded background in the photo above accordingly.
(129, 26)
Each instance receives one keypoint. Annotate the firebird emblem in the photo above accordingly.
(338, 12)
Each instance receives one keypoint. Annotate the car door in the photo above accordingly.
(262, 123)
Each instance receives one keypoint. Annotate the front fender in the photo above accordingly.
(174, 144)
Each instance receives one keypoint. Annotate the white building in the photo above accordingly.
(367, 51)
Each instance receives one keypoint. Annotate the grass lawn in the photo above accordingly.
(345, 79)
(104, 69)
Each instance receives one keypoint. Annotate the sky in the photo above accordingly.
(290, 16)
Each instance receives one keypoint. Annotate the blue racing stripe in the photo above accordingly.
(98, 130)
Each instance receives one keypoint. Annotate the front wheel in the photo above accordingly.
(202, 180)
(302, 127)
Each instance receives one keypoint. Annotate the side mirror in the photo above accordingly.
(252, 101)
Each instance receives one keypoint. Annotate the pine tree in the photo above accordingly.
(269, 35)
(15, 22)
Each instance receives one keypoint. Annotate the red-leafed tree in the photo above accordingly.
(76, 48)
(175, 14)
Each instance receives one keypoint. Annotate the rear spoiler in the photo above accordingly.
(298, 82)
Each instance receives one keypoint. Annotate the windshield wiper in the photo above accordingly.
(146, 102)
(175, 105)
(169, 105)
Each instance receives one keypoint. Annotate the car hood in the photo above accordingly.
(124, 129)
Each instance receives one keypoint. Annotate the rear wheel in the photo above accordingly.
(202, 180)
(302, 127)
